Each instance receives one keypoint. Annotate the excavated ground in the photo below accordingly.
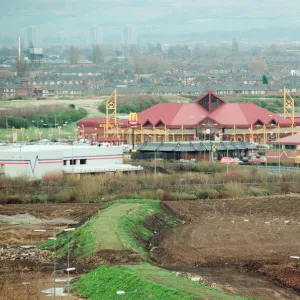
(24, 270)
(241, 245)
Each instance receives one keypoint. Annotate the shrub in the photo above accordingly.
(253, 191)
(184, 196)
(14, 200)
(208, 194)
(285, 188)
(167, 196)
(234, 189)
(36, 199)
(51, 199)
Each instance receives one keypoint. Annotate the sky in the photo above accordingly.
(161, 18)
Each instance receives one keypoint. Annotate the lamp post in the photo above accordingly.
(134, 292)
(59, 128)
(63, 270)
(37, 122)
(68, 265)
(54, 256)
(83, 136)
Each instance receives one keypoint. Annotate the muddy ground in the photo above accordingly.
(24, 272)
(242, 245)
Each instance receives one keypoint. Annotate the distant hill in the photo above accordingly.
(155, 17)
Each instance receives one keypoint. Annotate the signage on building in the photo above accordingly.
(272, 137)
(133, 120)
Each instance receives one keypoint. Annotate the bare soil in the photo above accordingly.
(228, 240)
(25, 279)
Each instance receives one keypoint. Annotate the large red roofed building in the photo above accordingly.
(211, 117)
(208, 118)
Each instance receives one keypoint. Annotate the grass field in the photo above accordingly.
(34, 133)
(136, 280)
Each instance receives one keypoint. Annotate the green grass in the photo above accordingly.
(157, 283)
(32, 133)
(81, 240)
(119, 226)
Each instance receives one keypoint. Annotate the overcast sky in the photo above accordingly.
(53, 16)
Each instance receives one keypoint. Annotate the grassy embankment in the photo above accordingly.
(115, 227)
(156, 283)
(120, 226)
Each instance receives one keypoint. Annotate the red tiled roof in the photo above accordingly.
(288, 140)
(173, 114)
(242, 115)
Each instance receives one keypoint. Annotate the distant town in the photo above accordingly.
(226, 68)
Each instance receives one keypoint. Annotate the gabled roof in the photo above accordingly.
(243, 115)
(173, 114)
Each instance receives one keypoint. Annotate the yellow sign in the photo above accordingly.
(213, 148)
(133, 117)
(109, 125)
(110, 105)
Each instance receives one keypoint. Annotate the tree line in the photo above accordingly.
(44, 120)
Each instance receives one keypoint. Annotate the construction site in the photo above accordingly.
(245, 246)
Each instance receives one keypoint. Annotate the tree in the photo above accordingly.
(97, 54)
(73, 54)
(234, 46)
(143, 64)
(21, 67)
(257, 66)
(265, 79)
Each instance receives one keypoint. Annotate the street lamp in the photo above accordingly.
(54, 256)
(134, 292)
(68, 265)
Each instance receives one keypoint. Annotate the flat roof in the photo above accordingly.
(48, 147)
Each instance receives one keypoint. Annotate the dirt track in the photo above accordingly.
(255, 235)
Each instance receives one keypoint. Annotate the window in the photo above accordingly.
(72, 162)
(65, 162)
(83, 161)
(291, 147)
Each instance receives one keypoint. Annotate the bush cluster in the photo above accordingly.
(64, 116)
(239, 182)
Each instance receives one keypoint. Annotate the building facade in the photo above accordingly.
(38, 161)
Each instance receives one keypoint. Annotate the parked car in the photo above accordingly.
(238, 161)
(228, 160)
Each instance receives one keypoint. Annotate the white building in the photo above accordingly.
(37, 161)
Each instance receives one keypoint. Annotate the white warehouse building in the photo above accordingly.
(37, 161)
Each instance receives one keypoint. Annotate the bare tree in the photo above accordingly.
(21, 67)
(73, 54)
(97, 54)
